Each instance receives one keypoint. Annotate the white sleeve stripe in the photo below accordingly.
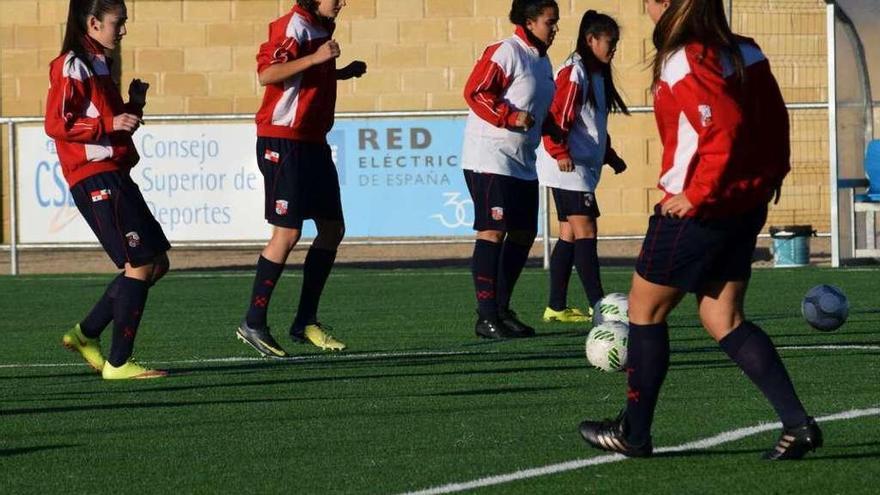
(484, 100)
(569, 106)
(483, 86)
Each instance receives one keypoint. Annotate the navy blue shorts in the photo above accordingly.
(574, 203)
(502, 202)
(690, 253)
(300, 181)
(114, 208)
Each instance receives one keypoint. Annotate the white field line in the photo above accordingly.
(242, 359)
(829, 347)
(706, 443)
(379, 355)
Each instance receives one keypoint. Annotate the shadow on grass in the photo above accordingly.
(492, 391)
(30, 450)
(292, 380)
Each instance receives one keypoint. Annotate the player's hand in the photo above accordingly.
(354, 69)
(126, 122)
(676, 207)
(329, 50)
(565, 165)
(523, 121)
(618, 165)
(137, 93)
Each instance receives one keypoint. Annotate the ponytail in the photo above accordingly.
(596, 24)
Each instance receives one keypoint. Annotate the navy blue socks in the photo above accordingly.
(102, 313)
(265, 281)
(753, 351)
(513, 260)
(561, 262)
(586, 260)
(128, 308)
(484, 269)
(316, 270)
(646, 364)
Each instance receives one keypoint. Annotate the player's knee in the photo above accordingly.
(285, 239)
(330, 234)
(719, 321)
(646, 310)
(522, 237)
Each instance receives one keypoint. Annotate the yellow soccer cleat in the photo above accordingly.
(567, 315)
(130, 371)
(316, 335)
(89, 349)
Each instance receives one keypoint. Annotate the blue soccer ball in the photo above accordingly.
(825, 307)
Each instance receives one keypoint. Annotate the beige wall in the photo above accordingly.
(198, 56)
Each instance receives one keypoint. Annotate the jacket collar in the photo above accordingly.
(92, 47)
(530, 41)
(314, 19)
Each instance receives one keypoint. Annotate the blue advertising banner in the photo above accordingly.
(402, 177)
(399, 178)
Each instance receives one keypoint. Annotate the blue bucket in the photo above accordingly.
(791, 245)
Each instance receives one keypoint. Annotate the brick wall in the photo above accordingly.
(198, 56)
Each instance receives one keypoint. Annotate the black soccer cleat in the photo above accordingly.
(491, 329)
(610, 435)
(516, 328)
(261, 340)
(794, 443)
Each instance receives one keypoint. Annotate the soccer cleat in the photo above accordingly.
(130, 370)
(794, 443)
(89, 349)
(316, 335)
(566, 315)
(492, 329)
(261, 340)
(515, 327)
(610, 435)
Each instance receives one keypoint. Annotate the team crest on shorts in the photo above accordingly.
(134, 240)
(100, 195)
(705, 115)
(497, 213)
(272, 156)
(281, 207)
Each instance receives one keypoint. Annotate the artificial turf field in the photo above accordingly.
(417, 401)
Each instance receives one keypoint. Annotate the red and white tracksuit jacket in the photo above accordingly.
(725, 142)
(584, 130)
(513, 75)
(80, 108)
(301, 107)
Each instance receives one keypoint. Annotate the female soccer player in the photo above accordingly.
(724, 129)
(92, 129)
(585, 95)
(508, 93)
(297, 65)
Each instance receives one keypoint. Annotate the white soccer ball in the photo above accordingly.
(613, 307)
(825, 307)
(606, 345)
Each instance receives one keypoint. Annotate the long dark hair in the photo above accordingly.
(77, 25)
(310, 5)
(521, 11)
(598, 24)
(703, 21)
